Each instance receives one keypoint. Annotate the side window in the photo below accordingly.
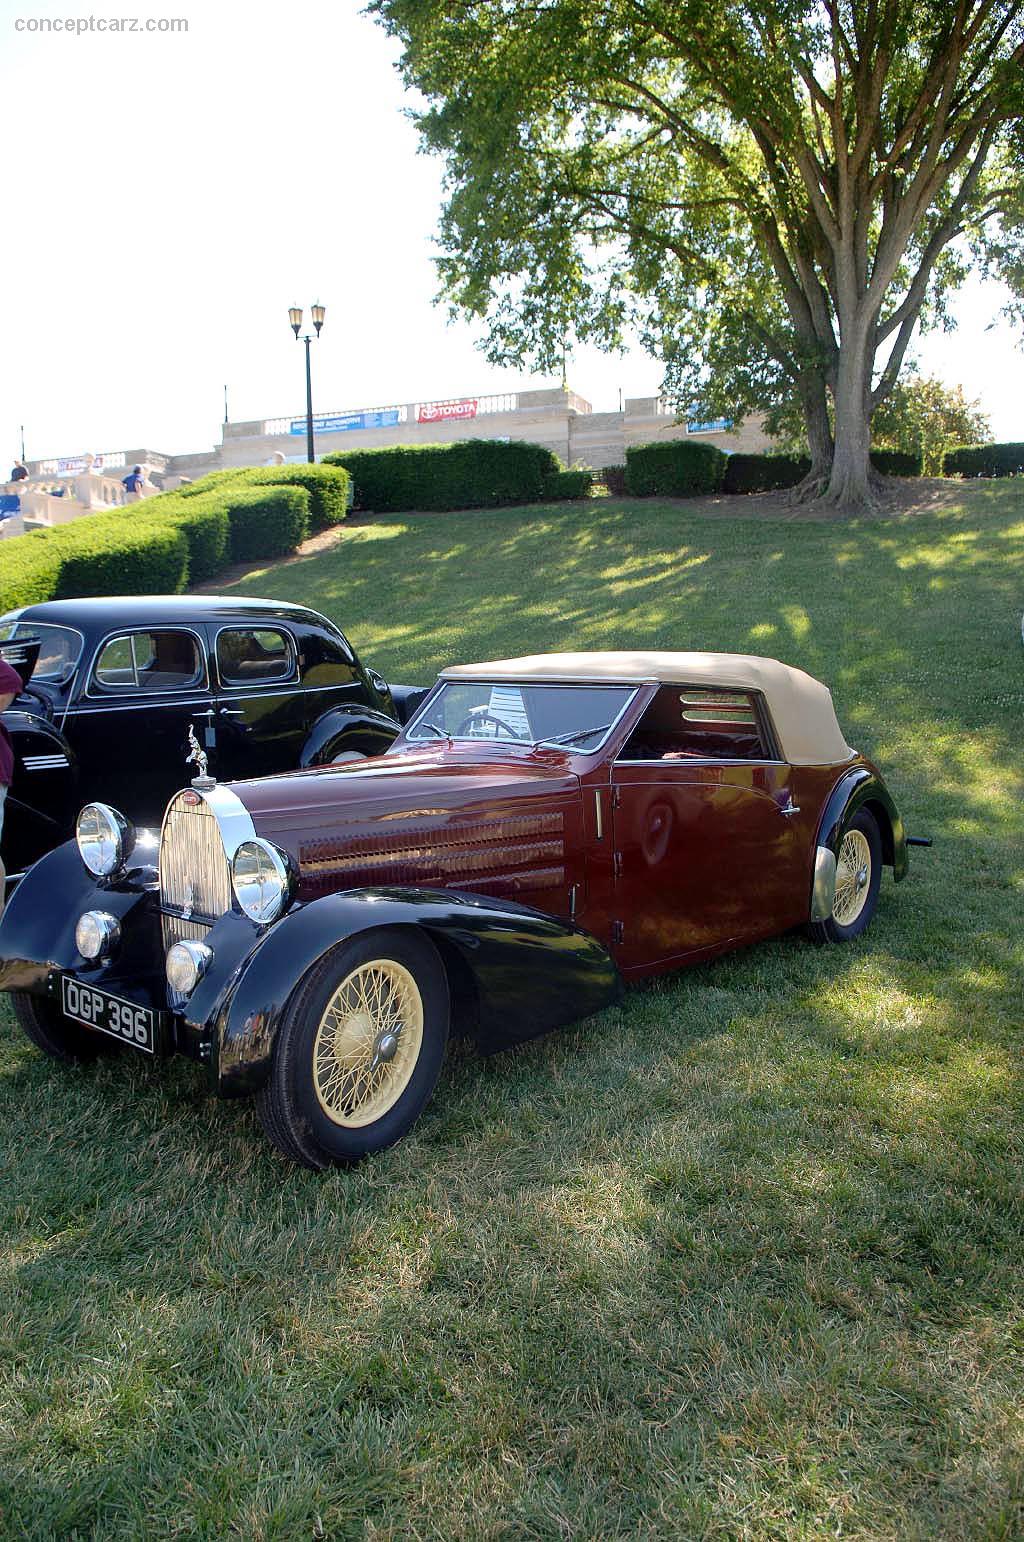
(149, 661)
(695, 723)
(254, 656)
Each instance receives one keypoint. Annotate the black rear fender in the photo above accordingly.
(407, 698)
(348, 731)
(863, 788)
(512, 972)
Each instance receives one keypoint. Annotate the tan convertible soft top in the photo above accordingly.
(801, 707)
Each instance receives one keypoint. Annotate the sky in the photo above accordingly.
(168, 195)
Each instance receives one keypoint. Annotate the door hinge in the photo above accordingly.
(572, 901)
(618, 931)
(617, 864)
(616, 796)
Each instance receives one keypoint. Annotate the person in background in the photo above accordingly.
(133, 484)
(19, 473)
(10, 687)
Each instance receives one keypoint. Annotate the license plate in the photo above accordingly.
(123, 1020)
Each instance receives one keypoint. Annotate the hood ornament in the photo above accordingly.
(197, 756)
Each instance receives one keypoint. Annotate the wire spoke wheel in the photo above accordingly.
(853, 878)
(368, 1043)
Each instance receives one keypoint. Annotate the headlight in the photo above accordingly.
(96, 934)
(105, 839)
(262, 880)
(187, 962)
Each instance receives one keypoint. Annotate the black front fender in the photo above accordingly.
(521, 971)
(855, 789)
(356, 729)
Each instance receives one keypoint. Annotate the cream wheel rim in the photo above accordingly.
(853, 878)
(367, 1043)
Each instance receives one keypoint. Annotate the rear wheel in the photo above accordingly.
(50, 1031)
(359, 1050)
(858, 875)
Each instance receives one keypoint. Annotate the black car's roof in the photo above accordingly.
(159, 610)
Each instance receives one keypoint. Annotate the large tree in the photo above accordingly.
(770, 194)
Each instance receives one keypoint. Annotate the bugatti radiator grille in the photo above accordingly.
(195, 881)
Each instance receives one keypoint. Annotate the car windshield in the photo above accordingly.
(576, 715)
(60, 651)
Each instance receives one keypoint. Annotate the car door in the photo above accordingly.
(130, 720)
(260, 713)
(706, 851)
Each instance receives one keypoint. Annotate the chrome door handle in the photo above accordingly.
(231, 712)
(790, 808)
(208, 713)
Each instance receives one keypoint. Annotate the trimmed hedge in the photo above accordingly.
(985, 460)
(329, 488)
(763, 473)
(470, 474)
(566, 485)
(896, 463)
(267, 521)
(676, 468)
(29, 570)
(614, 478)
(104, 555)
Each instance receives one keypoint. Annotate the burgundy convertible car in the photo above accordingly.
(541, 830)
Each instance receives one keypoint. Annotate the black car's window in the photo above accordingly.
(254, 656)
(149, 661)
(694, 723)
(60, 650)
(580, 716)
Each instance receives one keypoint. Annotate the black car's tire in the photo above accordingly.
(359, 1050)
(50, 1031)
(858, 875)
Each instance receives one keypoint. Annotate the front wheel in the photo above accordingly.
(359, 1050)
(858, 875)
(48, 1028)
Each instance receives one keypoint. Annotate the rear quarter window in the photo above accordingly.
(255, 656)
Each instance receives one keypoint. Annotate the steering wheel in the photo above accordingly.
(484, 715)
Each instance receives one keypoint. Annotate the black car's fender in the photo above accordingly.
(43, 796)
(407, 698)
(856, 789)
(350, 730)
(513, 972)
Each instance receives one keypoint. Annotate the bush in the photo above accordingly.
(763, 473)
(676, 468)
(896, 463)
(565, 485)
(985, 460)
(329, 488)
(471, 474)
(266, 521)
(205, 524)
(30, 568)
(109, 554)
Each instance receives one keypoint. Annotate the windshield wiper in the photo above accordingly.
(574, 738)
(441, 732)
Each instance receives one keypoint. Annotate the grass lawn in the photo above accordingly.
(741, 1258)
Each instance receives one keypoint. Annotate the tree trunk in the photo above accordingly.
(850, 483)
(814, 402)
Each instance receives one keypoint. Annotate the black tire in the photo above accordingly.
(50, 1031)
(833, 929)
(291, 1108)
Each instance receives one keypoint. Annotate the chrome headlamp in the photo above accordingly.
(97, 934)
(105, 839)
(263, 880)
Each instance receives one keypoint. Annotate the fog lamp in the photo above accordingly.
(97, 934)
(187, 962)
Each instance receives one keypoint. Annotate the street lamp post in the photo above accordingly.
(295, 317)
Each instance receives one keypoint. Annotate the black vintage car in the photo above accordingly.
(112, 687)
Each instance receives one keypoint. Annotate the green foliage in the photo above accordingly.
(109, 554)
(986, 460)
(206, 525)
(329, 488)
(926, 418)
(266, 522)
(896, 463)
(614, 479)
(754, 189)
(763, 473)
(29, 569)
(568, 485)
(471, 474)
(675, 468)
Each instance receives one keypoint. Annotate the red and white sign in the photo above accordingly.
(440, 412)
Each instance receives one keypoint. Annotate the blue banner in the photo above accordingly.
(338, 424)
(712, 426)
